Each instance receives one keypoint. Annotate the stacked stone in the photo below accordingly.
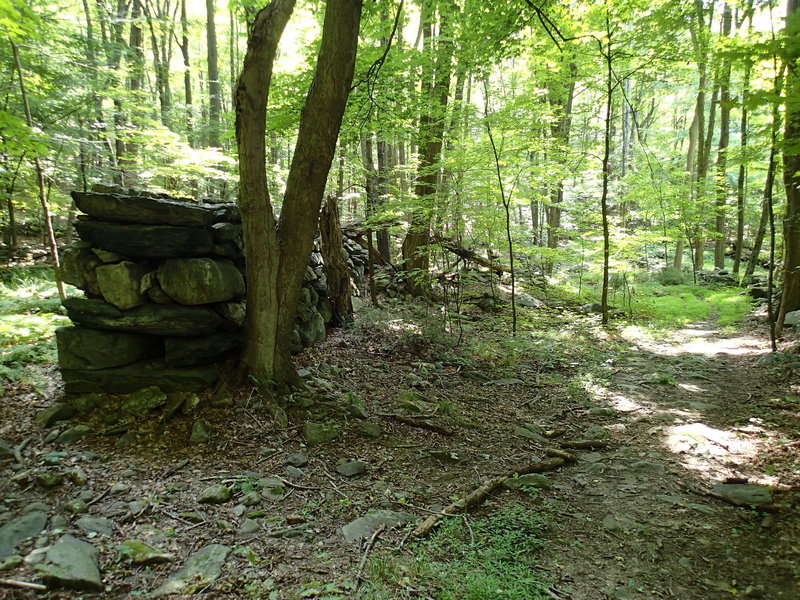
(164, 293)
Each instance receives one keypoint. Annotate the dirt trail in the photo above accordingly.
(685, 413)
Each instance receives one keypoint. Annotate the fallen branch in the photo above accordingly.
(23, 584)
(471, 255)
(367, 550)
(568, 457)
(420, 424)
(584, 444)
(481, 493)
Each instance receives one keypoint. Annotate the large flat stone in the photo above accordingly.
(18, 530)
(365, 526)
(120, 283)
(156, 319)
(182, 351)
(73, 564)
(82, 348)
(195, 281)
(147, 241)
(138, 209)
(133, 377)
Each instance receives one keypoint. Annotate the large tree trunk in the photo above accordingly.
(790, 300)
(336, 270)
(277, 257)
(435, 90)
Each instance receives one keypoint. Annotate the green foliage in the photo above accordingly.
(487, 558)
(29, 314)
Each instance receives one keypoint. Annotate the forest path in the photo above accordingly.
(685, 413)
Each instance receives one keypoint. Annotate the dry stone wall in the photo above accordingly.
(164, 287)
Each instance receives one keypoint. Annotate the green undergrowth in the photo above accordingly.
(677, 305)
(485, 558)
(30, 311)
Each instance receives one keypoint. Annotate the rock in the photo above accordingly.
(130, 378)
(156, 319)
(11, 562)
(368, 429)
(313, 331)
(792, 318)
(319, 433)
(73, 564)
(16, 531)
(140, 403)
(97, 525)
(613, 523)
(534, 480)
(643, 465)
(76, 507)
(200, 433)
(193, 516)
(215, 494)
(183, 351)
(743, 494)
(82, 348)
(85, 403)
(73, 434)
(251, 498)
(48, 479)
(140, 553)
(193, 281)
(605, 412)
(52, 414)
(297, 460)
(248, 527)
(120, 489)
(58, 523)
(364, 527)
(592, 307)
(6, 449)
(141, 209)
(137, 507)
(595, 432)
(200, 570)
(78, 264)
(78, 476)
(527, 433)
(445, 456)
(232, 312)
(36, 556)
(351, 468)
(147, 241)
(120, 283)
(528, 300)
(294, 472)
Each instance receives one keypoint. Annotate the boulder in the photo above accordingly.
(72, 563)
(141, 209)
(16, 531)
(319, 433)
(78, 264)
(157, 319)
(123, 380)
(120, 283)
(141, 402)
(193, 281)
(81, 348)
(232, 312)
(147, 241)
(313, 331)
(792, 318)
(182, 351)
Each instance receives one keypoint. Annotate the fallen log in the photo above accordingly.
(481, 493)
(471, 255)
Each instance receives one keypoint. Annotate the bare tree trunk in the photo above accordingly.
(741, 183)
(48, 224)
(606, 173)
(722, 153)
(336, 270)
(187, 76)
(214, 99)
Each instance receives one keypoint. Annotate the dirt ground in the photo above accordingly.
(633, 517)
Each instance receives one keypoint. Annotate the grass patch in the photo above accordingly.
(30, 311)
(491, 558)
(677, 305)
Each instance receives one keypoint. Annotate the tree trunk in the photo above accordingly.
(277, 257)
(741, 183)
(606, 175)
(187, 76)
(790, 299)
(435, 90)
(382, 192)
(722, 153)
(214, 99)
(336, 270)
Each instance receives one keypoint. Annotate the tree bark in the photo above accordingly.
(336, 270)
(722, 152)
(214, 99)
(187, 76)
(278, 256)
(741, 183)
(790, 299)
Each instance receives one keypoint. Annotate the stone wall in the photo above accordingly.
(163, 282)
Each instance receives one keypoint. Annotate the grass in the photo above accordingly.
(488, 558)
(677, 305)
(30, 311)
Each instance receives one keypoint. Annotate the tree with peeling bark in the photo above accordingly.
(277, 249)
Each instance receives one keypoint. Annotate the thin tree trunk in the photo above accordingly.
(606, 175)
(741, 183)
(187, 76)
(722, 152)
(214, 98)
(48, 224)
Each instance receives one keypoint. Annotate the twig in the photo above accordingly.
(23, 584)
(481, 493)
(580, 444)
(175, 468)
(100, 497)
(367, 550)
(420, 423)
(296, 485)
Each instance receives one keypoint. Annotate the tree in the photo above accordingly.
(277, 250)
(790, 300)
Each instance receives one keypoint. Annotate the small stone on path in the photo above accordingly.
(351, 468)
(97, 525)
(743, 494)
(297, 460)
(140, 553)
(365, 526)
(215, 494)
(73, 564)
(200, 570)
